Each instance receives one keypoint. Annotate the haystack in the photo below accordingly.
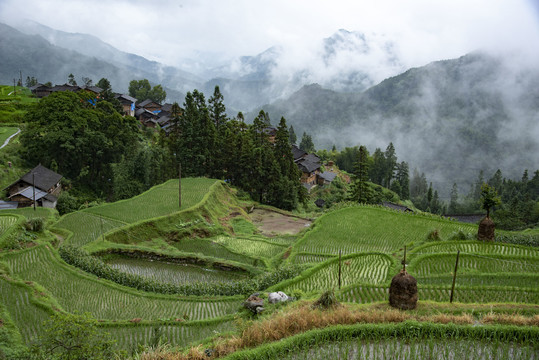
(486, 230)
(403, 291)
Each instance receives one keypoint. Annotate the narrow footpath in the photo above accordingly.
(9, 138)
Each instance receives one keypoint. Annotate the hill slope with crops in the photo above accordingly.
(146, 268)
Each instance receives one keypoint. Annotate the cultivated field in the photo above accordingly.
(212, 227)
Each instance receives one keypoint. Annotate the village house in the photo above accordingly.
(128, 103)
(40, 90)
(40, 184)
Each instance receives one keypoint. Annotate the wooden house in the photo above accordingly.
(309, 172)
(40, 184)
(128, 103)
(150, 106)
(40, 90)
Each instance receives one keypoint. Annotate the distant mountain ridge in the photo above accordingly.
(449, 118)
(346, 61)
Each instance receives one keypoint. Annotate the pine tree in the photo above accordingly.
(360, 191)
(306, 143)
(292, 136)
(217, 108)
(390, 164)
(377, 169)
(404, 180)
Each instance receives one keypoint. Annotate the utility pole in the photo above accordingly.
(404, 260)
(454, 277)
(340, 269)
(180, 185)
(34, 189)
(102, 232)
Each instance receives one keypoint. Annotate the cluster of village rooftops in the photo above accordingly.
(41, 186)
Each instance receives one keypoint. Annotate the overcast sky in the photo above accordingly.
(169, 30)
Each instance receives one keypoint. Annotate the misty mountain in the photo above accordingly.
(449, 119)
(347, 62)
(92, 46)
(35, 56)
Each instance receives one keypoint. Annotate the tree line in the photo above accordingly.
(105, 155)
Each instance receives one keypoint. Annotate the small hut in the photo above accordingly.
(403, 291)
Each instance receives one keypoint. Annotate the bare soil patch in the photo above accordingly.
(272, 223)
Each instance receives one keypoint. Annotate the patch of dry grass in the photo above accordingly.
(301, 317)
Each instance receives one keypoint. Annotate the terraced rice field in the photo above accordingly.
(89, 224)
(27, 316)
(76, 291)
(363, 229)
(158, 201)
(367, 294)
(250, 247)
(208, 247)
(472, 263)
(173, 273)
(473, 246)
(86, 227)
(6, 222)
(413, 350)
(129, 337)
(366, 269)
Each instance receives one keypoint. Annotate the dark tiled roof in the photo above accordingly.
(312, 158)
(320, 202)
(328, 176)
(308, 166)
(166, 107)
(125, 98)
(95, 89)
(297, 153)
(38, 86)
(65, 87)
(396, 206)
(45, 178)
(147, 102)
